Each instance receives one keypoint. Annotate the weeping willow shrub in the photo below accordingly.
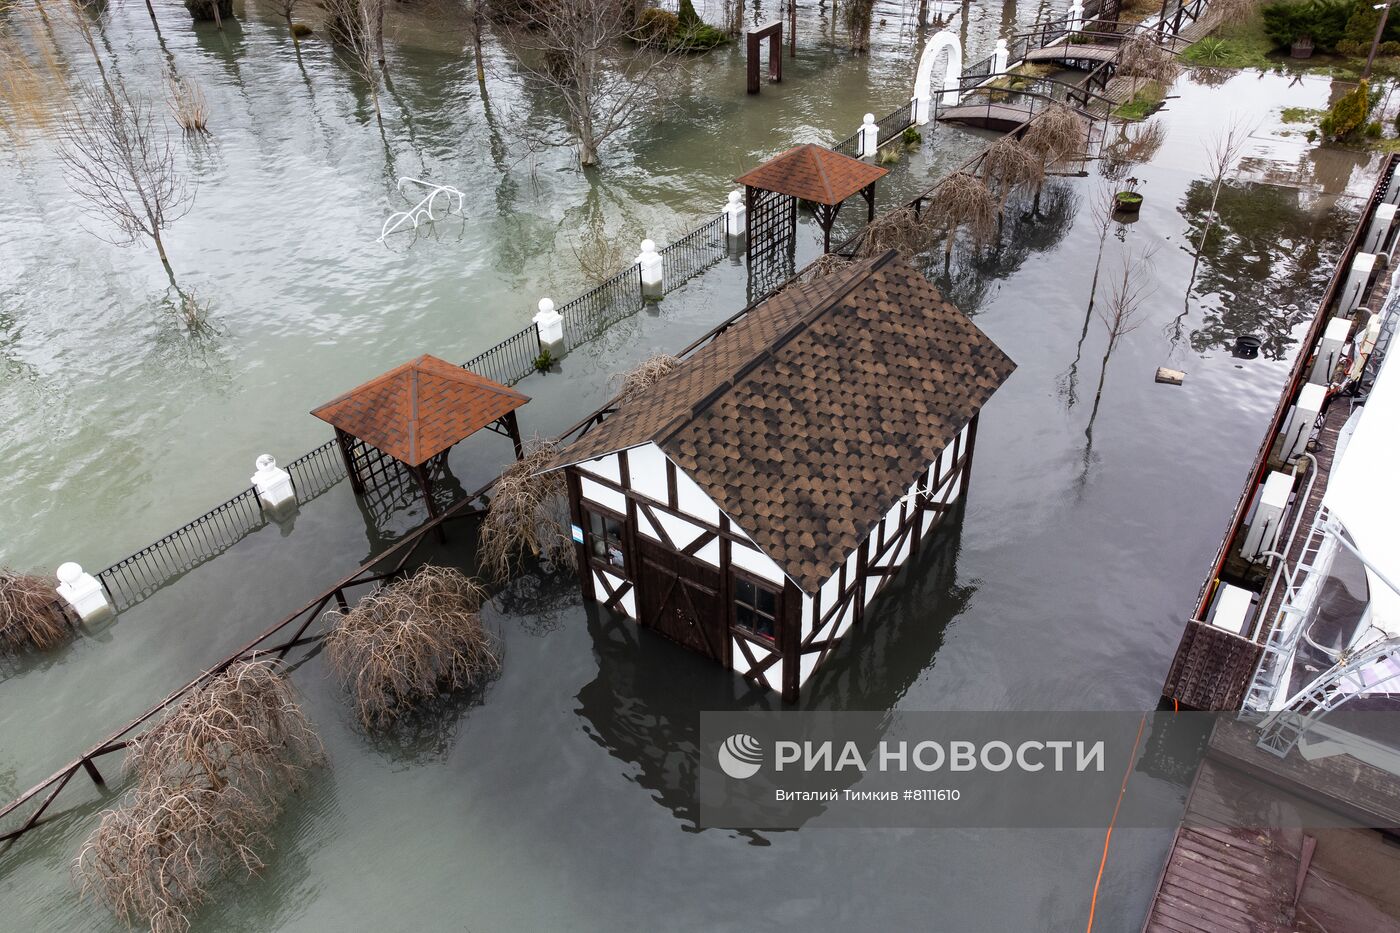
(28, 617)
(646, 374)
(211, 778)
(1010, 164)
(962, 201)
(1056, 134)
(1146, 62)
(901, 230)
(527, 512)
(244, 729)
(409, 642)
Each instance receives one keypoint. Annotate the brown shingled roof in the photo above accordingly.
(812, 173)
(416, 411)
(811, 416)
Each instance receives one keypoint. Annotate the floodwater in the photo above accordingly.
(563, 797)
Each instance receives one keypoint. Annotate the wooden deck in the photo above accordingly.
(1220, 878)
(1074, 52)
(988, 116)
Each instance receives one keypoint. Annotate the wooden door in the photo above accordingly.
(680, 598)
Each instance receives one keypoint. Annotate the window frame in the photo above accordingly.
(758, 584)
(603, 513)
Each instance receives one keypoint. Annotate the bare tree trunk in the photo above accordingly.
(477, 26)
(379, 32)
(164, 259)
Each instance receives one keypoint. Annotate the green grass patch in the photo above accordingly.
(1307, 115)
(1144, 103)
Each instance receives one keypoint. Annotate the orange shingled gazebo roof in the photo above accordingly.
(813, 173)
(416, 411)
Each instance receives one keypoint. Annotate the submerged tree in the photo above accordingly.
(577, 50)
(211, 778)
(352, 26)
(28, 617)
(1101, 211)
(409, 641)
(526, 513)
(118, 156)
(1010, 164)
(1121, 315)
(962, 201)
(858, 15)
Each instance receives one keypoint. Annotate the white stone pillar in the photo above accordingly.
(869, 136)
(736, 215)
(1076, 15)
(1329, 350)
(921, 109)
(1355, 287)
(1379, 230)
(274, 486)
(653, 274)
(999, 55)
(1300, 422)
(550, 325)
(83, 592)
(1263, 530)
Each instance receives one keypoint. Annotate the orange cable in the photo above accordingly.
(1103, 860)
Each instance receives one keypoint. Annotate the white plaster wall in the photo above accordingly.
(597, 492)
(646, 467)
(756, 563)
(628, 602)
(606, 467)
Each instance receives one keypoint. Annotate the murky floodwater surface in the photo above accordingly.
(562, 799)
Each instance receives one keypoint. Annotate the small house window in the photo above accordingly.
(755, 609)
(605, 540)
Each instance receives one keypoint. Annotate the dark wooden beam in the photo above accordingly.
(513, 429)
(343, 442)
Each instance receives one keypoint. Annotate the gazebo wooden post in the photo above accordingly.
(425, 483)
(513, 427)
(869, 193)
(748, 213)
(343, 442)
(826, 219)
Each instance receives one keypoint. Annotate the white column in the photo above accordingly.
(1329, 350)
(1355, 287)
(550, 325)
(869, 136)
(999, 55)
(1268, 516)
(83, 592)
(1300, 422)
(1379, 230)
(652, 270)
(273, 486)
(921, 108)
(1076, 15)
(736, 215)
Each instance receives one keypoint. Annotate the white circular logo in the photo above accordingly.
(741, 756)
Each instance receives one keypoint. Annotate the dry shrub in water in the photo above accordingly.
(526, 513)
(27, 615)
(1143, 60)
(407, 642)
(210, 780)
(1056, 134)
(646, 374)
(242, 729)
(824, 265)
(33, 84)
(1009, 164)
(963, 201)
(187, 103)
(901, 230)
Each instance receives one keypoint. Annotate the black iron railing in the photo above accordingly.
(591, 313)
(510, 360)
(895, 122)
(694, 253)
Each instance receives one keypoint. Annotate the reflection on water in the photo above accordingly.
(1266, 257)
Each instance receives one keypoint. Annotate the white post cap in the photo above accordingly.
(546, 306)
(735, 196)
(869, 118)
(82, 591)
(648, 246)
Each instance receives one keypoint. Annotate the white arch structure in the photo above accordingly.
(952, 74)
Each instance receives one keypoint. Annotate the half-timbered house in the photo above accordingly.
(751, 503)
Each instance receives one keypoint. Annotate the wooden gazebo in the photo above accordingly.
(810, 173)
(414, 414)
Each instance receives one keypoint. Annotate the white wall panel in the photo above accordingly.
(755, 562)
(693, 501)
(646, 466)
(681, 531)
(597, 492)
(606, 467)
(709, 554)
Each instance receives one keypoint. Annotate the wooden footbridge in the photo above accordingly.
(1005, 108)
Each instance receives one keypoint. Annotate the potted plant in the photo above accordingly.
(1128, 200)
(1302, 47)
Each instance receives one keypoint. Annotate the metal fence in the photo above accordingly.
(591, 313)
(510, 360)
(695, 252)
(895, 122)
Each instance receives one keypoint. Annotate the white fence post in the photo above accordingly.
(999, 55)
(869, 136)
(83, 592)
(736, 215)
(274, 486)
(550, 325)
(653, 270)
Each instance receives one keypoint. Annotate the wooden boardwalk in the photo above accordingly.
(988, 116)
(1074, 52)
